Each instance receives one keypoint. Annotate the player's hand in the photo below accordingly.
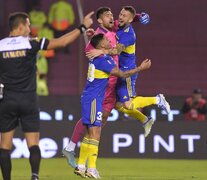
(90, 32)
(87, 20)
(144, 18)
(94, 53)
(146, 64)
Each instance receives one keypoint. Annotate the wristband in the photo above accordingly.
(82, 28)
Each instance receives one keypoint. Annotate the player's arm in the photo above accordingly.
(113, 51)
(146, 64)
(71, 36)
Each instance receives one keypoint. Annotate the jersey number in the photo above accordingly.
(99, 116)
(91, 69)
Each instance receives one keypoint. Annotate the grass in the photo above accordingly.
(118, 169)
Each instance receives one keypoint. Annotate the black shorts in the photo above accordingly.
(19, 108)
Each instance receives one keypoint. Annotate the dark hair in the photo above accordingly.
(96, 39)
(130, 9)
(101, 10)
(17, 18)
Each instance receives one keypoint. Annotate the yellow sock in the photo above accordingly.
(93, 153)
(140, 102)
(134, 113)
(83, 151)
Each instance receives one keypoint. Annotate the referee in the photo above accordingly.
(19, 105)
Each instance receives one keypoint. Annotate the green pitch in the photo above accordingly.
(118, 169)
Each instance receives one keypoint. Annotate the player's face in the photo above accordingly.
(125, 18)
(106, 43)
(107, 20)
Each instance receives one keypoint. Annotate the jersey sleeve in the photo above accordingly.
(39, 44)
(107, 64)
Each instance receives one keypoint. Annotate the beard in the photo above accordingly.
(122, 26)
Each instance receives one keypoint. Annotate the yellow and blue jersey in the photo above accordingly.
(93, 94)
(97, 78)
(127, 37)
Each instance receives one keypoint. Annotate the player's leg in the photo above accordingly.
(92, 117)
(109, 101)
(69, 150)
(32, 139)
(89, 152)
(126, 90)
(5, 157)
(30, 123)
(83, 156)
(94, 138)
(140, 102)
(135, 113)
(8, 123)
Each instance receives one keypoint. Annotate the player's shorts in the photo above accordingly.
(19, 108)
(110, 95)
(126, 88)
(91, 111)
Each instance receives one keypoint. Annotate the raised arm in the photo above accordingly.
(113, 51)
(73, 35)
(146, 64)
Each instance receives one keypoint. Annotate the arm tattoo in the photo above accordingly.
(117, 50)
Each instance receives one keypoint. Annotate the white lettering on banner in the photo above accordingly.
(190, 138)
(117, 143)
(20, 148)
(158, 140)
(45, 116)
(171, 114)
(65, 142)
(141, 143)
(48, 147)
(114, 115)
(59, 115)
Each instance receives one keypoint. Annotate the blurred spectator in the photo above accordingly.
(61, 17)
(37, 20)
(194, 108)
(42, 71)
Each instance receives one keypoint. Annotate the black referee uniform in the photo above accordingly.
(18, 75)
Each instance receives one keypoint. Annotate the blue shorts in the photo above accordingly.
(91, 111)
(126, 88)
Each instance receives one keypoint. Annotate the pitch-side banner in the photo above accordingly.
(171, 136)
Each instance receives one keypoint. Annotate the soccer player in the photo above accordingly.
(18, 75)
(126, 39)
(99, 70)
(108, 27)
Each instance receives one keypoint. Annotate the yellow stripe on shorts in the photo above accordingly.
(129, 86)
(93, 111)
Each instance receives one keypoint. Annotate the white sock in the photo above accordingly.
(157, 99)
(71, 146)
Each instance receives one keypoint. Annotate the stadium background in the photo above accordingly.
(175, 40)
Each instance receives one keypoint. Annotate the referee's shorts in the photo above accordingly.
(19, 108)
